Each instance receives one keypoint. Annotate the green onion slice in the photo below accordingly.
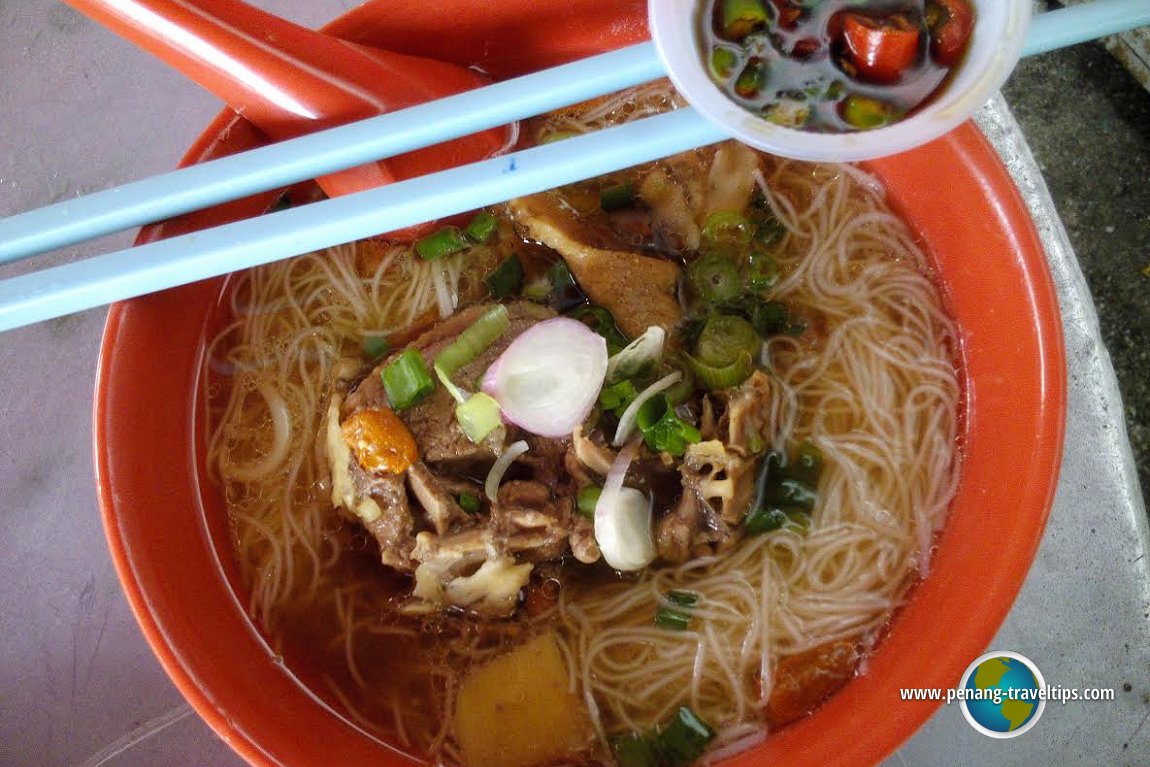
(727, 227)
(751, 80)
(441, 243)
(478, 416)
(469, 345)
(481, 228)
(588, 497)
(715, 377)
(682, 598)
(506, 278)
(374, 347)
(715, 279)
(469, 502)
(406, 380)
(663, 430)
(670, 618)
(725, 339)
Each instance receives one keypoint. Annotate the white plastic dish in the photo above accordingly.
(995, 47)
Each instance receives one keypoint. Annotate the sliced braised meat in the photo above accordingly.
(639, 291)
(748, 413)
(723, 479)
(582, 540)
(675, 532)
(437, 501)
(589, 453)
(528, 519)
(393, 527)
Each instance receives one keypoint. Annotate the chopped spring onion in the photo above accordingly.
(637, 357)
(715, 278)
(627, 421)
(588, 497)
(506, 278)
(469, 502)
(617, 397)
(714, 377)
(762, 271)
(538, 290)
(670, 618)
(602, 322)
(617, 196)
(663, 430)
(725, 338)
(441, 243)
(764, 519)
(727, 227)
(499, 468)
(772, 318)
(678, 743)
(549, 378)
(478, 416)
(682, 598)
(684, 739)
(742, 17)
(564, 291)
(481, 228)
(685, 387)
(406, 380)
(469, 345)
(785, 492)
(374, 347)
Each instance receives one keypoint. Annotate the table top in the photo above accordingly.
(78, 683)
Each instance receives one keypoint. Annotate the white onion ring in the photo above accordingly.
(549, 378)
(499, 468)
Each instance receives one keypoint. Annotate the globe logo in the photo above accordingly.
(1002, 694)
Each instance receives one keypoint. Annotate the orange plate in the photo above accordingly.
(169, 539)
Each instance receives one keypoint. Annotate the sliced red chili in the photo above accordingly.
(950, 22)
(789, 13)
(879, 49)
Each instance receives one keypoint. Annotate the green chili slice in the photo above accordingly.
(752, 79)
(723, 63)
(742, 17)
(441, 243)
(406, 380)
(865, 113)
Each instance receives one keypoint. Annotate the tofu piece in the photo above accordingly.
(517, 710)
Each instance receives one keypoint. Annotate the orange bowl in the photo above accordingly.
(168, 534)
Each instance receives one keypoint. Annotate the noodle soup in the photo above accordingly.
(793, 497)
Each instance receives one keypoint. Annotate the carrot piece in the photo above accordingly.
(880, 49)
(950, 22)
(379, 441)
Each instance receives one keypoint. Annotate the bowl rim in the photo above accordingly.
(1033, 406)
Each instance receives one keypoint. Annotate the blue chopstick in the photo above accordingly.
(279, 165)
(211, 252)
(200, 255)
(1076, 24)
